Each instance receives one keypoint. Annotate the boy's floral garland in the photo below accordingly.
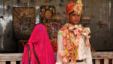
(71, 39)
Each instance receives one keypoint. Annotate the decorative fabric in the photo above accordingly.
(53, 31)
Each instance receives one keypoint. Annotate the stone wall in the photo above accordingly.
(100, 19)
(100, 23)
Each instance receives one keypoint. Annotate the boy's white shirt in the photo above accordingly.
(83, 51)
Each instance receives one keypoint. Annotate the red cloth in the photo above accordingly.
(69, 7)
(43, 48)
(74, 6)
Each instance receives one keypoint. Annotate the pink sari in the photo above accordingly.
(39, 38)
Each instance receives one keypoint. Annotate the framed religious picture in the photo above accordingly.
(23, 21)
(23, 3)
